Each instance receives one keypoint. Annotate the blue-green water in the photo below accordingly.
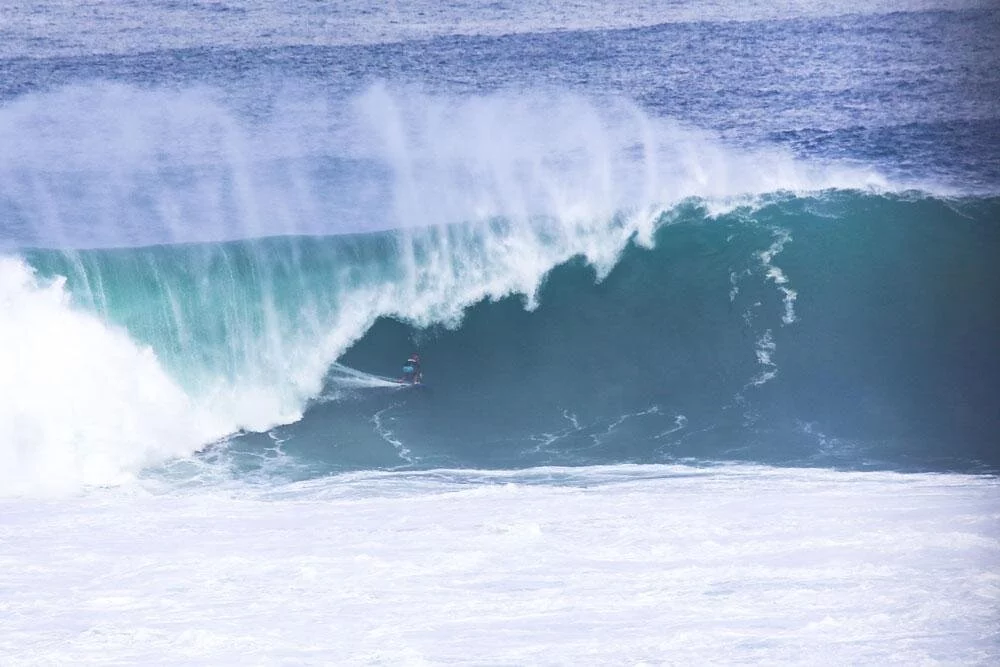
(668, 236)
(842, 329)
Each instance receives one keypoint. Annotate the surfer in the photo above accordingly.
(411, 370)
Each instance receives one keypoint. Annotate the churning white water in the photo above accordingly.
(605, 565)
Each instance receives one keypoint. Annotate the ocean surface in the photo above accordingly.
(706, 293)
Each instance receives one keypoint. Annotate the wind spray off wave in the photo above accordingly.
(485, 196)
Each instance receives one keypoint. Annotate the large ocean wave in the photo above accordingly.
(842, 329)
(638, 291)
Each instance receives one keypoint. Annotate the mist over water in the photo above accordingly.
(185, 167)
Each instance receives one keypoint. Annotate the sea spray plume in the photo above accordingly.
(180, 166)
(191, 166)
(558, 175)
(78, 172)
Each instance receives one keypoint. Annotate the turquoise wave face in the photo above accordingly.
(844, 330)
(233, 311)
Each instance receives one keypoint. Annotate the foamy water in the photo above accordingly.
(619, 565)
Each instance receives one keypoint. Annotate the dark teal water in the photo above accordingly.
(891, 360)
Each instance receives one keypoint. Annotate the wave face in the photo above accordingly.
(838, 329)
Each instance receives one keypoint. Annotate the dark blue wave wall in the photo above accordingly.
(890, 358)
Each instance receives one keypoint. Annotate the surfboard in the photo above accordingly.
(412, 385)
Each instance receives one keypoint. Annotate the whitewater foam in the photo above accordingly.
(386, 434)
(607, 564)
(83, 404)
(774, 273)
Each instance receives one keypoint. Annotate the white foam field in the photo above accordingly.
(614, 565)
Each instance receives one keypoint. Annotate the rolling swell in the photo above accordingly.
(843, 330)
